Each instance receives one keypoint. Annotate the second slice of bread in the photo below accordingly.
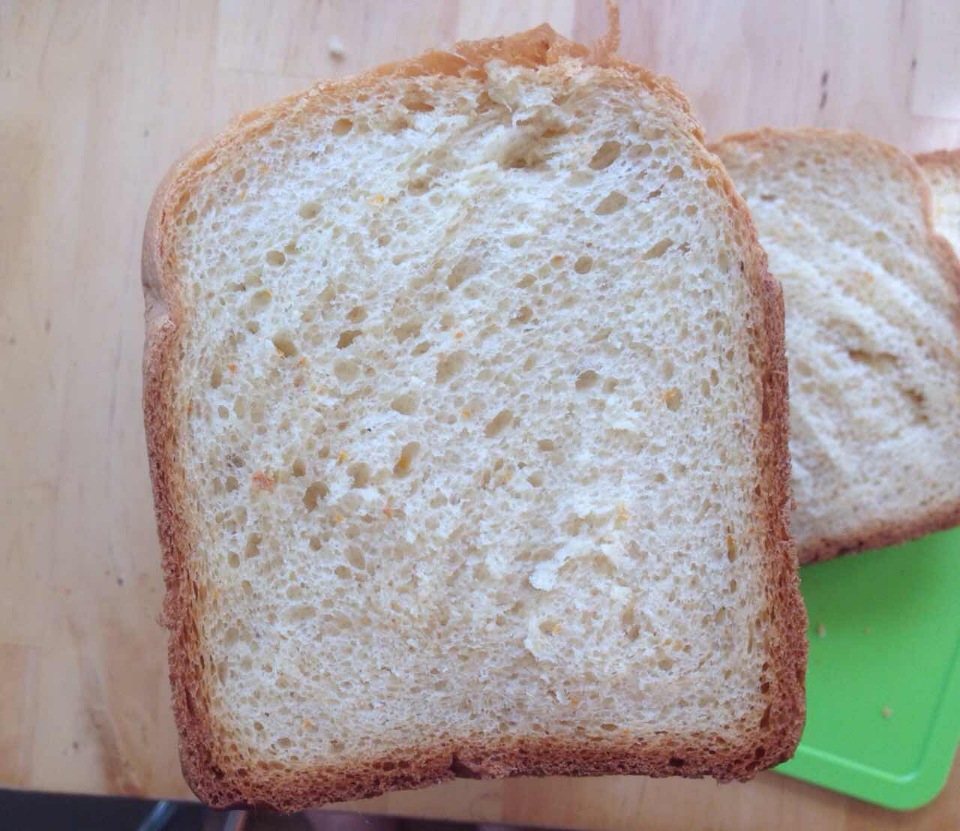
(872, 300)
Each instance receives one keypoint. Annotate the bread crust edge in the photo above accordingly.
(778, 732)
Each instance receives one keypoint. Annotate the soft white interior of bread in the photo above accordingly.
(470, 416)
(872, 331)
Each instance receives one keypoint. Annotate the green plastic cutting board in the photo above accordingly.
(883, 683)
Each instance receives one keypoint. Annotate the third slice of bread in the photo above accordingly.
(872, 300)
(942, 171)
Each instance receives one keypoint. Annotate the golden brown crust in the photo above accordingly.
(882, 535)
(940, 158)
(939, 518)
(760, 745)
(786, 702)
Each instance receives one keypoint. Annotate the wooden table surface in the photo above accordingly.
(97, 99)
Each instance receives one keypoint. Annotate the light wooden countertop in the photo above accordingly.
(97, 99)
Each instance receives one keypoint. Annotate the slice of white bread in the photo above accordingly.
(465, 400)
(872, 301)
(942, 171)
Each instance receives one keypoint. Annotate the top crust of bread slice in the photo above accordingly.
(942, 171)
(307, 667)
(872, 299)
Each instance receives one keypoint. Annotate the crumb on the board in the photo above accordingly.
(821, 630)
(867, 630)
(886, 712)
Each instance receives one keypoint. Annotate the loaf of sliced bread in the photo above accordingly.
(872, 299)
(465, 400)
(942, 171)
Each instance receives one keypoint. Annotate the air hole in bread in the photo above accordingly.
(417, 101)
(610, 204)
(346, 370)
(342, 126)
(586, 380)
(449, 365)
(673, 398)
(606, 155)
(313, 494)
(498, 423)
(583, 264)
(465, 268)
(731, 548)
(447, 321)
(405, 404)
(275, 257)
(284, 344)
(359, 473)
(260, 300)
(252, 548)
(658, 249)
(355, 558)
(409, 329)
(347, 337)
(405, 461)
(418, 187)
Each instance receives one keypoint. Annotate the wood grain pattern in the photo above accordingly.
(97, 98)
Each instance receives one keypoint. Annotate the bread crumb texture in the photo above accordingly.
(467, 406)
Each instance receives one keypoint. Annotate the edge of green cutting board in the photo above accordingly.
(877, 780)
